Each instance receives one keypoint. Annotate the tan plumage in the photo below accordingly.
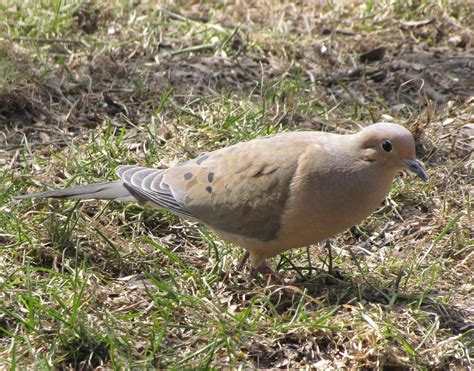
(273, 193)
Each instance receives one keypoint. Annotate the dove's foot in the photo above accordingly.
(267, 272)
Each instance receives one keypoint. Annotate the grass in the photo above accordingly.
(87, 86)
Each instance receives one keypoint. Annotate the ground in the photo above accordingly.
(87, 86)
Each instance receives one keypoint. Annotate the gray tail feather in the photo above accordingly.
(99, 191)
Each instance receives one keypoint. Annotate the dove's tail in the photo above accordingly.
(100, 191)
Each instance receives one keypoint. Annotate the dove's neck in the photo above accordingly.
(332, 191)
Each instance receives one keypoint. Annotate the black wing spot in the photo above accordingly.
(201, 159)
(188, 176)
(210, 177)
(209, 189)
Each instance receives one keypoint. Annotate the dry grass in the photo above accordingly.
(86, 86)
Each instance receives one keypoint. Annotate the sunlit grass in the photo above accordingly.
(90, 284)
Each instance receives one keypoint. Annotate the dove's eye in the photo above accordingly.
(386, 146)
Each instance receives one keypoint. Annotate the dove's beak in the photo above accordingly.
(416, 168)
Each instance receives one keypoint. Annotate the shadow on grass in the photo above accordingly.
(333, 289)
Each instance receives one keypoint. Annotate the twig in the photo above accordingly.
(45, 40)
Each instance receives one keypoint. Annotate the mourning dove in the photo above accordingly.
(274, 193)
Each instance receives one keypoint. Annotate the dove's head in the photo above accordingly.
(390, 145)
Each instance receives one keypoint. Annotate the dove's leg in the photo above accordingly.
(242, 261)
(239, 265)
(330, 259)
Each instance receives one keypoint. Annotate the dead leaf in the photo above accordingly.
(465, 140)
(413, 24)
(44, 137)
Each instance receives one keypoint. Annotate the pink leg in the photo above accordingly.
(242, 261)
(239, 265)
